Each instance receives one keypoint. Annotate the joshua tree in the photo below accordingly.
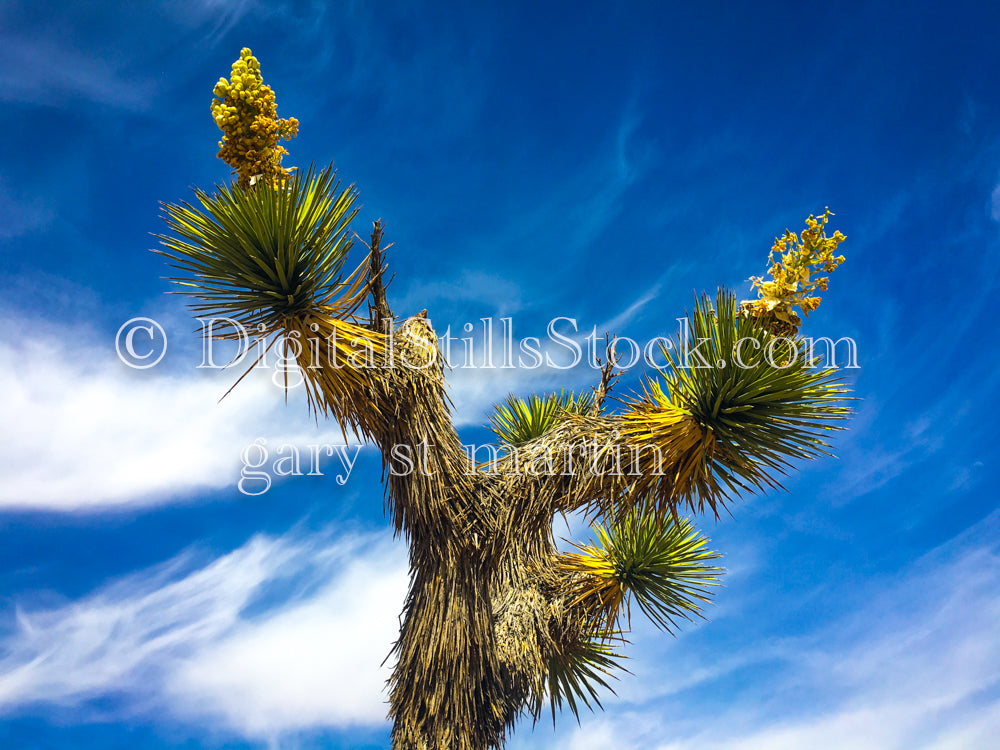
(498, 621)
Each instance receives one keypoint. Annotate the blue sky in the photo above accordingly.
(531, 161)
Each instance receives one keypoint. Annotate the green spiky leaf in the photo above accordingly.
(758, 400)
(575, 674)
(663, 564)
(262, 255)
(516, 421)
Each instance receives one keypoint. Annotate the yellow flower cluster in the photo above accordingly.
(245, 111)
(794, 259)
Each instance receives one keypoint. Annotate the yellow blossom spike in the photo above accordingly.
(794, 259)
(245, 111)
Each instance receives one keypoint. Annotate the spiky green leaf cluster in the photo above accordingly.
(759, 400)
(262, 255)
(663, 564)
(517, 421)
(575, 674)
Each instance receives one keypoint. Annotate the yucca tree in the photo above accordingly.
(498, 621)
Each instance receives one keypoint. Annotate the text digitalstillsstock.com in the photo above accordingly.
(563, 348)
(141, 343)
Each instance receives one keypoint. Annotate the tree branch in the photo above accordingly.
(608, 377)
(378, 307)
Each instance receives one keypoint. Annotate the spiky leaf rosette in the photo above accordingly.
(731, 411)
(518, 421)
(663, 564)
(271, 262)
(575, 673)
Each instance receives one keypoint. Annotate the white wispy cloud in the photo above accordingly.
(44, 65)
(41, 70)
(317, 664)
(500, 295)
(916, 667)
(189, 639)
(566, 348)
(88, 432)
